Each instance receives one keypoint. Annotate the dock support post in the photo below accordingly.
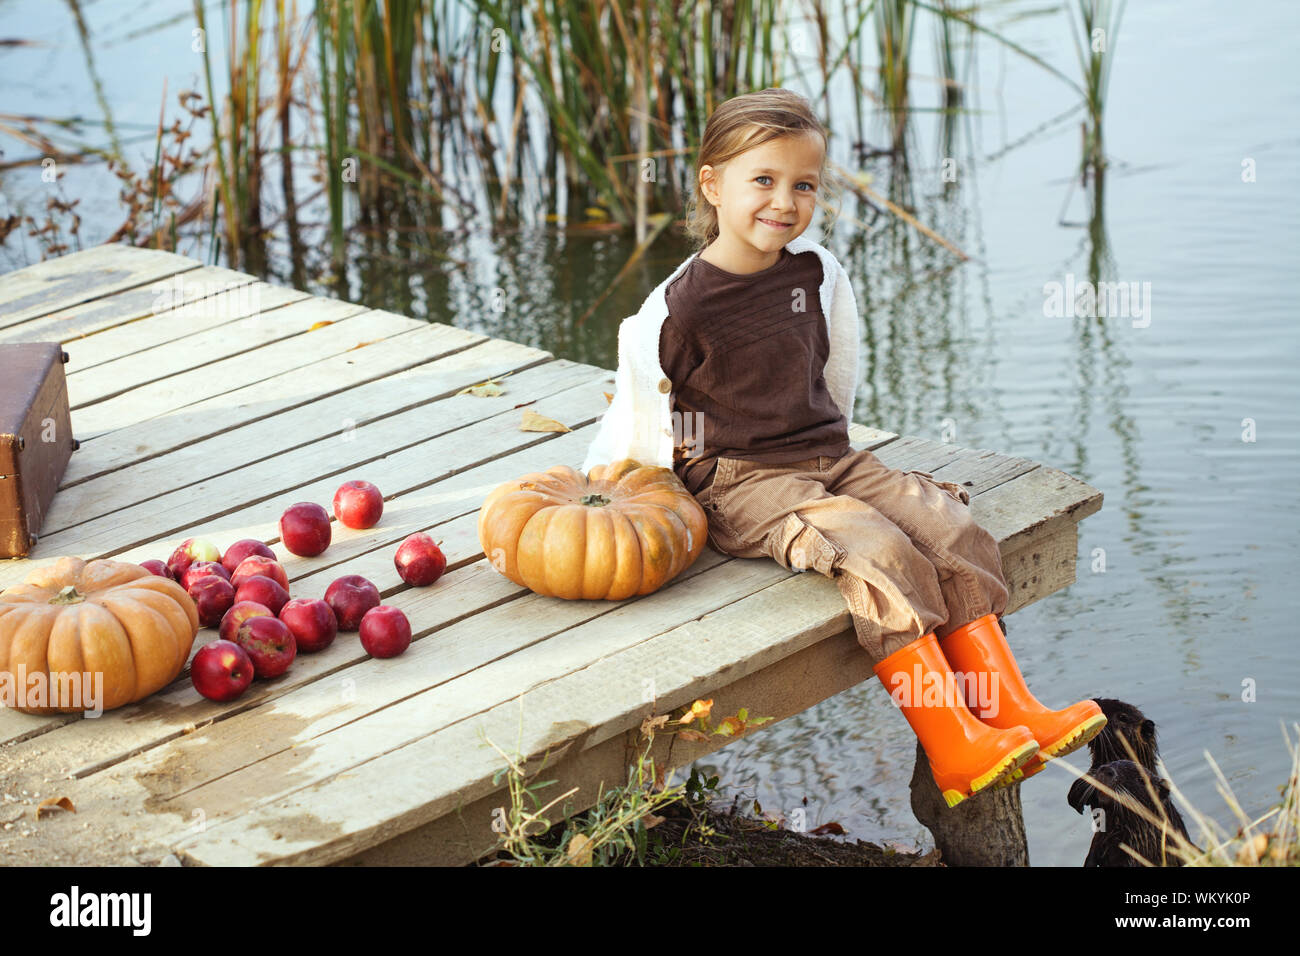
(984, 830)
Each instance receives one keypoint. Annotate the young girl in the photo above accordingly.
(739, 372)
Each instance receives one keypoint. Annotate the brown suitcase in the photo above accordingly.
(35, 440)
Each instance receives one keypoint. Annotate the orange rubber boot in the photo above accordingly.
(979, 648)
(966, 756)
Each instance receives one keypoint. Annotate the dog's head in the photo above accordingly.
(1123, 720)
(1125, 779)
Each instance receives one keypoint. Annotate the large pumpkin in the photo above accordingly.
(624, 529)
(111, 618)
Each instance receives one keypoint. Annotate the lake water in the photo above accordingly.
(1187, 417)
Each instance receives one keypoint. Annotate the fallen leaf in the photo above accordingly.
(49, 804)
(730, 726)
(522, 404)
(580, 850)
(692, 735)
(532, 422)
(489, 389)
(652, 821)
(361, 345)
(827, 829)
(609, 398)
(320, 325)
(651, 724)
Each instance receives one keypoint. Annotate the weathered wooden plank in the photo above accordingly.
(784, 688)
(193, 757)
(456, 490)
(1053, 501)
(112, 350)
(222, 413)
(78, 277)
(312, 472)
(353, 327)
(468, 586)
(241, 338)
(117, 317)
(330, 417)
(463, 589)
(1040, 557)
(329, 819)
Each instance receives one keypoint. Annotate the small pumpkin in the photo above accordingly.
(104, 617)
(623, 529)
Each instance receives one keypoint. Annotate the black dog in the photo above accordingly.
(1123, 824)
(1114, 766)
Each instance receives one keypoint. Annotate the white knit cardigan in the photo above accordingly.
(638, 422)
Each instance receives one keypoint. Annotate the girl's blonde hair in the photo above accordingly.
(740, 124)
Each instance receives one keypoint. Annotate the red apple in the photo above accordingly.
(312, 622)
(419, 560)
(358, 504)
(269, 644)
(213, 597)
(221, 670)
(242, 549)
(264, 591)
(385, 631)
(259, 564)
(350, 597)
(154, 566)
(305, 529)
(240, 612)
(189, 551)
(201, 569)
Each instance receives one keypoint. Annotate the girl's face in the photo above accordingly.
(767, 195)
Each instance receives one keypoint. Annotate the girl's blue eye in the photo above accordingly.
(811, 187)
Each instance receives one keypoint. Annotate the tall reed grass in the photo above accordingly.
(405, 122)
(1095, 32)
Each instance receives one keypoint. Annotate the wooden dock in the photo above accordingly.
(209, 419)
